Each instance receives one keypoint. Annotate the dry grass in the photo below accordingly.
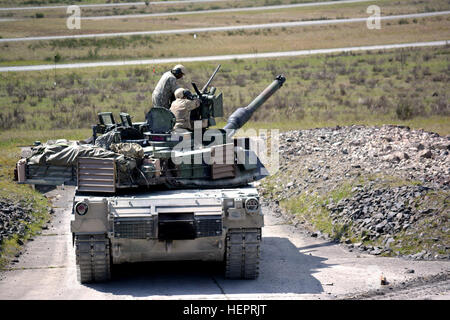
(322, 90)
(57, 26)
(162, 6)
(284, 39)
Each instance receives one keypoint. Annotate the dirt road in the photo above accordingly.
(293, 266)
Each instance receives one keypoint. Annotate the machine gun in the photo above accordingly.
(211, 106)
(205, 88)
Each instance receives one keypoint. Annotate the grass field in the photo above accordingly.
(231, 42)
(227, 42)
(57, 26)
(372, 87)
(20, 3)
(162, 6)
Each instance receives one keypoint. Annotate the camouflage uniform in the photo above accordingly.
(162, 95)
(182, 108)
(105, 140)
(131, 150)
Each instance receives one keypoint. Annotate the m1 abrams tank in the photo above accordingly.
(124, 210)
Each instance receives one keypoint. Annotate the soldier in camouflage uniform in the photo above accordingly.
(182, 107)
(162, 96)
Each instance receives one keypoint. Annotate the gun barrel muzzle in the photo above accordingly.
(242, 115)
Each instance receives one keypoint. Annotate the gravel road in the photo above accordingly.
(312, 269)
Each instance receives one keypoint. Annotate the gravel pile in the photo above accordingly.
(336, 153)
(382, 213)
(395, 173)
(12, 216)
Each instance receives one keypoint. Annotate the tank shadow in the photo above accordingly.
(44, 189)
(283, 270)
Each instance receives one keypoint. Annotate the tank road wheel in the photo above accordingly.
(242, 253)
(93, 258)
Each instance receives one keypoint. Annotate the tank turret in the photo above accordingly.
(151, 154)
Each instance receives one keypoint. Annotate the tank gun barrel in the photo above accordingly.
(242, 115)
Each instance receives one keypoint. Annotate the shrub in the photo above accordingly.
(342, 89)
(441, 107)
(57, 57)
(10, 89)
(404, 111)
(105, 74)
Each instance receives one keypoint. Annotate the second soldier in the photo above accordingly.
(183, 105)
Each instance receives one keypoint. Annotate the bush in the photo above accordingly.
(441, 107)
(342, 89)
(404, 111)
(39, 15)
(57, 57)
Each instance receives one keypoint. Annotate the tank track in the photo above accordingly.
(242, 253)
(93, 258)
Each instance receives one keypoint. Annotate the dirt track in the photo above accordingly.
(293, 266)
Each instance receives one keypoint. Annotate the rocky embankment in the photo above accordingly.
(381, 190)
(13, 219)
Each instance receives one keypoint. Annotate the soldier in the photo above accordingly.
(162, 96)
(182, 107)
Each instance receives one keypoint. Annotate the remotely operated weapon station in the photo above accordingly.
(148, 193)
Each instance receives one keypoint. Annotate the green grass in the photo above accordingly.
(320, 91)
(310, 209)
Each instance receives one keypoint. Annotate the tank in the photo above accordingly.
(146, 192)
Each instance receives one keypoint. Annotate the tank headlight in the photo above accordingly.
(81, 208)
(252, 205)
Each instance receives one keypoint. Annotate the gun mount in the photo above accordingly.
(211, 106)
